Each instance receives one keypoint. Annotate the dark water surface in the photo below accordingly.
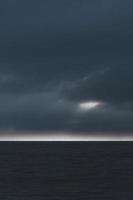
(66, 170)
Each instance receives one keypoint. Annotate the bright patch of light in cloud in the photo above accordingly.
(89, 105)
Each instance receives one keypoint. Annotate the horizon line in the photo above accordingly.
(64, 137)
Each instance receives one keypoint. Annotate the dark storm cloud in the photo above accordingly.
(113, 84)
(49, 111)
(56, 54)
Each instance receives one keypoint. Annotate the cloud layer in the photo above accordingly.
(55, 55)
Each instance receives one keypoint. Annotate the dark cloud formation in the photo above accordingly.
(55, 55)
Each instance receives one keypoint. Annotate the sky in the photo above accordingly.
(66, 66)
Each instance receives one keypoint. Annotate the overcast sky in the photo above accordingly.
(66, 66)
